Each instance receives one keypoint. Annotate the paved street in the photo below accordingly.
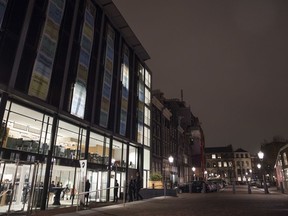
(208, 204)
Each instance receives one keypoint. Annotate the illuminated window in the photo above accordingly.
(213, 156)
(146, 136)
(147, 79)
(125, 90)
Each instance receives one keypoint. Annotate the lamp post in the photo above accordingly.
(261, 156)
(193, 173)
(205, 175)
(170, 159)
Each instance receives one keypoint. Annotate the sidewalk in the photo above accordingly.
(142, 207)
(127, 205)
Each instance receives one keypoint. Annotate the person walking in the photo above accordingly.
(138, 186)
(116, 191)
(87, 189)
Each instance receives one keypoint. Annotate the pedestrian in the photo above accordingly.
(87, 188)
(51, 191)
(138, 186)
(131, 189)
(116, 191)
(72, 193)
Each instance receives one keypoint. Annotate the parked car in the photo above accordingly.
(197, 187)
(260, 184)
(212, 187)
(218, 181)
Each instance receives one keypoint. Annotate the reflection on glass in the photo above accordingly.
(133, 155)
(70, 141)
(25, 129)
(96, 149)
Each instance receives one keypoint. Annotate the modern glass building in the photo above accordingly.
(74, 89)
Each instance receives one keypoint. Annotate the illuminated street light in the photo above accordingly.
(193, 172)
(170, 159)
(261, 156)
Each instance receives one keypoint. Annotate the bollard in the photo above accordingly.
(204, 188)
(282, 188)
(249, 188)
(234, 191)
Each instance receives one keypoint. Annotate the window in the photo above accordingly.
(147, 96)
(133, 156)
(25, 129)
(147, 79)
(146, 136)
(213, 156)
(147, 114)
(125, 89)
(70, 142)
(117, 154)
(219, 164)
(3, 4)
(146, 159)
(43, 65)
(108, 73)
(225, 164)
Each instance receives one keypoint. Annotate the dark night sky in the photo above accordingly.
(230, 57)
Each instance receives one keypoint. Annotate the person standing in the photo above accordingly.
(51, 191)
(131, 189)
(116, 191)
(138, 186)
(87, 189)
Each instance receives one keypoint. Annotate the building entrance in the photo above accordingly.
(21, 188)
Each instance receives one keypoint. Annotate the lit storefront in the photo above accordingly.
(281, 169)
(95, 109)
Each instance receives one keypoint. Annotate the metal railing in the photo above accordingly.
(80, 195)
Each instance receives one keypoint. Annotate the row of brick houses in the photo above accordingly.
(178, 133)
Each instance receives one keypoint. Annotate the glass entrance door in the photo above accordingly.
(19, 191)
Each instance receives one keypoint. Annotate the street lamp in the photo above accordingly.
(170, 159)
(205, 175)
(261, 156)
(193, 172)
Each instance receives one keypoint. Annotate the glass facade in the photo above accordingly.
(77, 77)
